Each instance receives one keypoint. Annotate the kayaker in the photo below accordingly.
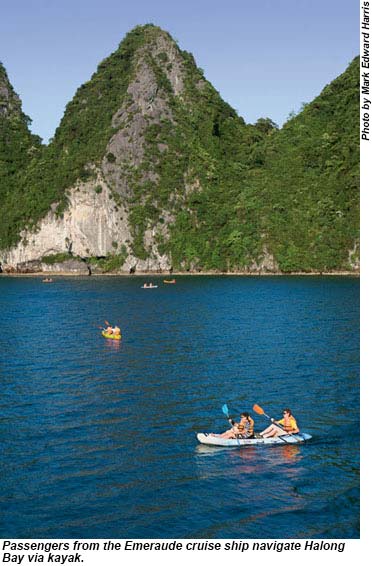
(288, 426)
(109, 330)
(243, 429)
(116, 331)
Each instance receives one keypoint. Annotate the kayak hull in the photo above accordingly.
(211, 440)
(111, 336)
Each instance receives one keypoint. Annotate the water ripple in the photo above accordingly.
(98, 438)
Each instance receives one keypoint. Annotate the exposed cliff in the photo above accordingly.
(150, 170)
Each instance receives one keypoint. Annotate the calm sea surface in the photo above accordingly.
(98, 438)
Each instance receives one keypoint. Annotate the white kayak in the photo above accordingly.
(150, 287)
(212, 440)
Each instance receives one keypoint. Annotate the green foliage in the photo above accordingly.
(56, 258)
(309, 181)
(111, 157)
(265, 125)
(19, 149)
(112, 262)
(163, 57)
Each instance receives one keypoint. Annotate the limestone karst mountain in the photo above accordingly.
(150, 170)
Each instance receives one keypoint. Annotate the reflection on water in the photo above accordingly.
(261, 482)
(253, 459)
(113, 344)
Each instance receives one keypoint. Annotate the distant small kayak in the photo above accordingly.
(167, 281)
(111, 336)
(212, 440)
(47, 280)
(149, 287)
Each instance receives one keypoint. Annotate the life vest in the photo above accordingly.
(289, 427)
(248, 429)
(250, 426)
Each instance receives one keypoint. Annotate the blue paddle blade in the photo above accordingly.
(225, 410)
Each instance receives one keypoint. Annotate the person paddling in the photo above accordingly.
(243, 429)
(288, 426)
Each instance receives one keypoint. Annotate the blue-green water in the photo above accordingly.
(98, 437)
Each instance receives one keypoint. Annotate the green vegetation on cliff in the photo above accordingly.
(18, 148)
(200, 176)
(309, 181)
(218, 194)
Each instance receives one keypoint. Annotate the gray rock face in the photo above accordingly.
(75, 266)
(92, 225)
(266, 264)
(144, 104)
(33, 266)
(9, 100)
(354, 255)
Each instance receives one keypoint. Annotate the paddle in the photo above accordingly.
(259, 410)
(102, 327)
(225, 411)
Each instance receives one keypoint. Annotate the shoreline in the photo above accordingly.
(49, 274)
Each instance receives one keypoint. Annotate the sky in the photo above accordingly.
(265, 57)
